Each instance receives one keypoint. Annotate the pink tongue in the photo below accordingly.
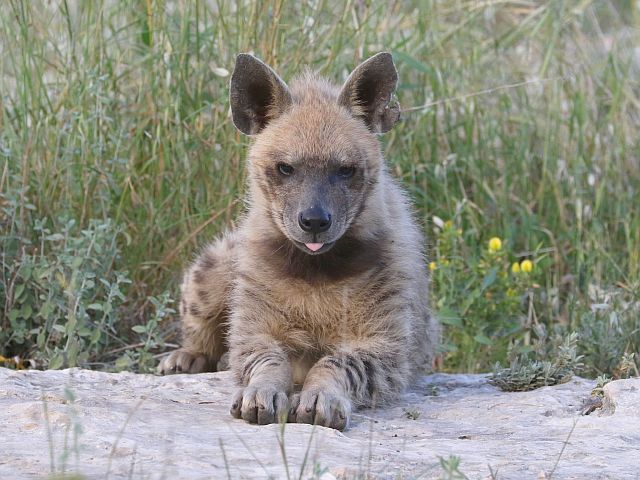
(314, 246)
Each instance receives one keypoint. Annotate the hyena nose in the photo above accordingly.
(314, 220)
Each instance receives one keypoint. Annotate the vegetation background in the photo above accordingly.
(118, 161)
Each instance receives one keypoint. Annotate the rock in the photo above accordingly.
(623, 397)
(142, 426)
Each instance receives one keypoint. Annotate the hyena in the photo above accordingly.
(321, 294)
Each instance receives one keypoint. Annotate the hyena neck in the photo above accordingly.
(350, 256)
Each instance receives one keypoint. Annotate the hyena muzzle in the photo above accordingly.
(319, 298)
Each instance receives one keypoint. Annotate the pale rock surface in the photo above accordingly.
(150, 427)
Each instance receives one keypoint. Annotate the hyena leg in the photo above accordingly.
(265, 373)
(204, 311)
(346, 379)
(260, 364)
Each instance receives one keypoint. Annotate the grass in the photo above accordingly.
(116, 114)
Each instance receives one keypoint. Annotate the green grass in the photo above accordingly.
(118, 112)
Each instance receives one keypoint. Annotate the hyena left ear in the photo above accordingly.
(367, 93)
(257, 94)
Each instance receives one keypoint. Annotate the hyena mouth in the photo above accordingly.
(314, 248)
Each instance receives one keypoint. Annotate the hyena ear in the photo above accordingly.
(368, 90)
(257, 94)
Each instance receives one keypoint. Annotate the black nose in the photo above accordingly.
(314, 220)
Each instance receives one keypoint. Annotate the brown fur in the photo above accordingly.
(351, 326)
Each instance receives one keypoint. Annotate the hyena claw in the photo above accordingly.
(319, 407)
(182, 361)
(261, 405)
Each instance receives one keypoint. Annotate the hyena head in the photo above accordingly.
(315, 157)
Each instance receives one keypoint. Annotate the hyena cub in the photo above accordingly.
(321, 294)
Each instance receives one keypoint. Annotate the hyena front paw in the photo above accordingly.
(261, 405)
(182, 361)
(319, 407)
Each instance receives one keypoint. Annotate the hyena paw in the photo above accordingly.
(261, 405)
(182, 361)
(319, 407)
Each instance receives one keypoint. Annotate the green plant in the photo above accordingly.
(520, 120)
(609, 327)
(141, 357)
(483, 295)
(63, 298)
(527, 372)
(601, 381)
(451, 468)
(412, 413)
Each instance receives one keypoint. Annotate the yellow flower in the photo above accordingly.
(495, 244)
(526, 266)
(515, 268)
(433, 266)
(448, 224)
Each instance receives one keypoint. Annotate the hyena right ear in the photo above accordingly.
(368, 92)
(257, 94)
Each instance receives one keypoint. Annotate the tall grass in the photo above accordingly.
(118, 111)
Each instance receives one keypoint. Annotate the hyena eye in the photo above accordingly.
(346, 172)
(285, 169)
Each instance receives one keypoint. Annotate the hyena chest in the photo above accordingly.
(317, 324)
(312, 327)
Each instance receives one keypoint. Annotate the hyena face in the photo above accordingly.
(315, 155)
(313, 169)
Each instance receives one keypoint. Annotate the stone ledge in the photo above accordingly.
(145, 426)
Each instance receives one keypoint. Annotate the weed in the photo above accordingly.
(527, 373)
(451, 468)
(484, 294)
(412, 413)
(601, 381)
(610, 332)
(64, 300)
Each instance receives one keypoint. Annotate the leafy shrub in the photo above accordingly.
(609, 330)
(553, 362)
(606, 344)
(484, 297)
(62, 296)
(140, 356)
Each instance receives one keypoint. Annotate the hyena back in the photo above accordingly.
(321, 294)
